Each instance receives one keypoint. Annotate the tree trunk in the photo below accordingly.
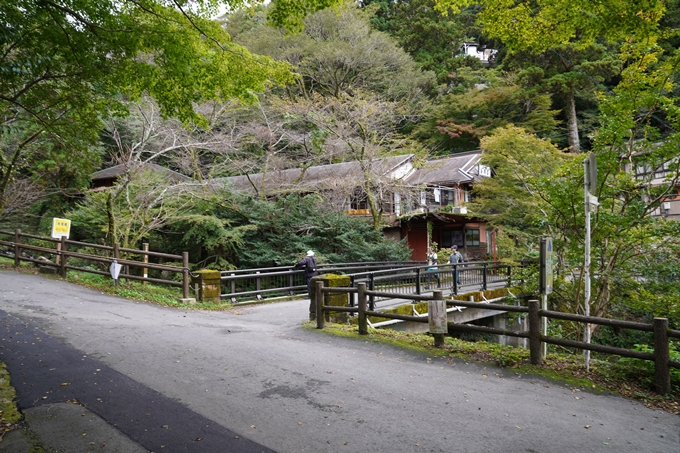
(572, 125)
(376, 211)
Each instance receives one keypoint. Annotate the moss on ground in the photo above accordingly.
(9, 414)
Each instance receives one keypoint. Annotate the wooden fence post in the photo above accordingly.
(363, 304)
(185, 275)
(662, 370)
(436, 311)
(17, 247)
(62, 255)
(320, 315)
(535, 349)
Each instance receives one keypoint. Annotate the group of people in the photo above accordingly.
(433, 260)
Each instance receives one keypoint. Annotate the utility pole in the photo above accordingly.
(590, 203)
(545, 283)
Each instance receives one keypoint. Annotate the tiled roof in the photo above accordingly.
(320, 177)
(454, 169)
(117, 170)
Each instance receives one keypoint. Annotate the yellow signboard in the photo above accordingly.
(60, 227)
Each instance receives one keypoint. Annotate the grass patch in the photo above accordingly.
(9, 414)
(605, 374)
(168, 296)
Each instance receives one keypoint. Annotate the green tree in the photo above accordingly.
(336, 54)
(539, 25)
(514, 201)
(480, 102)
(573, 75)
(432, 39)
(67, 64)
(291, 225)
(141, 202)
(632, 150)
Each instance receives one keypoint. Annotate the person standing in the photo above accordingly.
(308, 263)
(456, 258)
(432, 260)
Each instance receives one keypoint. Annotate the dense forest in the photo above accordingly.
(91, 84)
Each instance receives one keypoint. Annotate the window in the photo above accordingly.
(451, 238)
(359, 200)
(471, 237)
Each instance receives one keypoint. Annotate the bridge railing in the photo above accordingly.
(474, 275)
(536, 317)
(404, 277)
(282, 281)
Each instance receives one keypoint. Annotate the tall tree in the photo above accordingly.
(554, 28)
(480, 102)
(335, 54)
(539, 25)
(573, 75)
(67, 63)
(432, 39)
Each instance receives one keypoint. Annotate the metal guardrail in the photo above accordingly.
(402, 277)
(284, 281)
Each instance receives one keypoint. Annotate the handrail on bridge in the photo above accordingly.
(327, 268)
(404, 277)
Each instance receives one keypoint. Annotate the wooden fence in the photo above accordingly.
(662, 334)
(23, 250)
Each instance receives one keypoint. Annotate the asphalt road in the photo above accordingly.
(254, 380)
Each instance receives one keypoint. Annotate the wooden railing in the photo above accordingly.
(21, 249)
(662, 334)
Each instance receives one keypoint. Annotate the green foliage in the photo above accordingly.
(481, 102)
(291, 225)
(643, 370)
(515, 198)
(545, 24)
(290, 14)
(429, 37)
(336, 54)
(64, 66)
(572, 75)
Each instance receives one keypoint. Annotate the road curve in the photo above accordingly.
(253, 380)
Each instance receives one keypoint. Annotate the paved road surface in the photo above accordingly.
(254, 380)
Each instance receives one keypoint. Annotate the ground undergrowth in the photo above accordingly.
(606, 374)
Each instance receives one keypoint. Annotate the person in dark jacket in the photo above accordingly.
(456, 258)
(308, 263)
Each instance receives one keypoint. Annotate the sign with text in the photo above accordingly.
(60, 227)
